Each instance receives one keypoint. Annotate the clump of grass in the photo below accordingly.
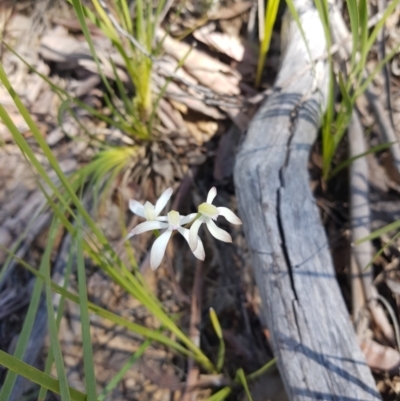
(71, 216)
(353, 82)
(132, 33)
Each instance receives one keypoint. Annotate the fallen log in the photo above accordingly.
(302, 306)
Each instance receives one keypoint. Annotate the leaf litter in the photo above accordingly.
(210, 96)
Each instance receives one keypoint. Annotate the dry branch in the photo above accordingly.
(360, 228)
(311, 333)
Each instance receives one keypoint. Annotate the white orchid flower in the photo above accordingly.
(174, 223)
(208, 213)
(149, 211)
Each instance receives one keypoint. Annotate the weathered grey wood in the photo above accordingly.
(312, 336)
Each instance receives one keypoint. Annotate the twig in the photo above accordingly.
(164, 13)
(393, 317)
(194, 333)
(360, 225)
(385, 70)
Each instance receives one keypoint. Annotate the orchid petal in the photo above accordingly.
(162, 201)
(217, 232)
(194, 229)
(229, 215)
(199, 251)
(212, 193)
(136, 208)
(158, 249)
(187, 219)
(147, 226)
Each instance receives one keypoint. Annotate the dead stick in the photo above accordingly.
(194, 332)
(360, 228)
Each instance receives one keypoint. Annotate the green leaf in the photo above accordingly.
(377, 233)
(265, 368)
(25, 334)
(218, 332)
(36, 376)
(90, 378)
(241, 377)
(60, 310)
(220, 395)
(347, 162)
(269, 22)
(53, 330)
(352, 8)
(363, 17)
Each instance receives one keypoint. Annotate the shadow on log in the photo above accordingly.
(312, 336)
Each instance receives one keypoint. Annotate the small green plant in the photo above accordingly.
(72, 217)
(266, 35)
(132, 33)
(354, 82)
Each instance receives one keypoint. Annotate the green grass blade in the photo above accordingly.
(25, 332)
(377, 233)
(388, 12)
(60, 310)
(81, 17)
(127, 365)
(36, 376)
(327, 137)
(352, 8)
(363, 17)
(11, 377)
(51, 320)
(265, 368)
(126, 15)
(380, 252)
(118, 320)
(218, 332)
(220, 395)
(90, 379)
(128, 105)
(241, 377)
(139, 22)
(105, 255)
(345, 112)
(269, 22)
(361, 89)
(347, 162)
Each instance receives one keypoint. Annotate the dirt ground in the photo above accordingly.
(195, 151)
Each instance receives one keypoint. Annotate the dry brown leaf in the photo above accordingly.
(58, 46)
(208, 71)
(169, 66)
(14, 26)
(380, 357)
(226, 44)
(202, 131)
(176, 94)
(238, 117)
(394, 285)
(231, 12)
(173, 114)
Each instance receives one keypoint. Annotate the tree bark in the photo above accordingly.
(311, 333)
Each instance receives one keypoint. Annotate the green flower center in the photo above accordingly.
(208, 210)
(149, 211)
(173, 219)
